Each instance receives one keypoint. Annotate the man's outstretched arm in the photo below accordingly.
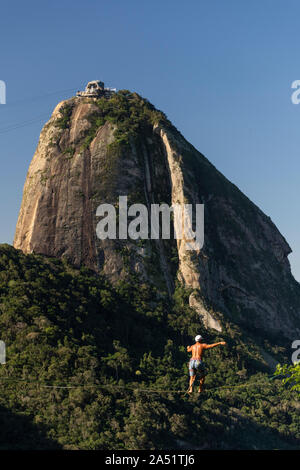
(209, 346)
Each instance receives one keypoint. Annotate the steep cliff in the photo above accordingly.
(93, 151)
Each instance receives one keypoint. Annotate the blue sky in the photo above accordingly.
(221, 71)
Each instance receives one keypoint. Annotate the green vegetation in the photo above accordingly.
(291, 375)
(131, 117)
(69, 151)
(43, 176)
(119, 349)
(66, 112)
(129, 113)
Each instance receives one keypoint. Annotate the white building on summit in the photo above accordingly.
(96, 89)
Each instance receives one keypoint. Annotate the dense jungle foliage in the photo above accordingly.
(91, 366)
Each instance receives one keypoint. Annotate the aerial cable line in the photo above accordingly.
(21, 124)
(16, 126)
(134, 389)
(39, 97)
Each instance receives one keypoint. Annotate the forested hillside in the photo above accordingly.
(91, 366)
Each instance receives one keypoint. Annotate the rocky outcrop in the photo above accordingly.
(241, 273)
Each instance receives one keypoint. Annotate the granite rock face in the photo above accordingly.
(241, 273)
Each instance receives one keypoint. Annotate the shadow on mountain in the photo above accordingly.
(17, 432)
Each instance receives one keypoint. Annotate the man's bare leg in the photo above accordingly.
(192, 380)
(201, 383)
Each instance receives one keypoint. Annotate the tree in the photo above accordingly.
(291, 375)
